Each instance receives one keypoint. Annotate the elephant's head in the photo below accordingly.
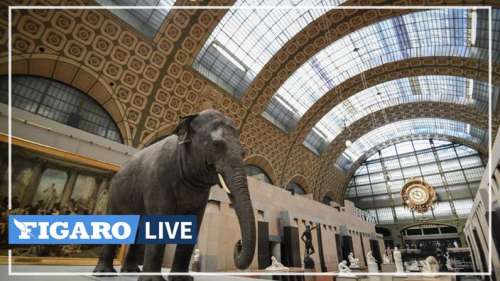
(212, 141)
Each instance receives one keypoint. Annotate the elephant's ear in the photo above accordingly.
(184, 130)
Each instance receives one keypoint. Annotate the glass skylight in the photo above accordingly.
(451, 89)
(147, 21)
(245, 40)
(412, 127)
(376, 185)
(444, 32)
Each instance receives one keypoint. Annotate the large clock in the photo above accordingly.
(418, 195)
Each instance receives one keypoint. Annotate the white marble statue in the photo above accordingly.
(196, 255)
(196, 264)
(343, 268)
(412, 266)
(398, 261)
(370, 259)
(455, 244)
(386, 259)
(276, 265)
(354, 262)
(430, 265)
(388, 252)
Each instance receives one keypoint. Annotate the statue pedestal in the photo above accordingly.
(388, 267)
(399, 267)
(372, 267)
(308, 263)
(309, 277)
(297, 270)
(358, 270)
(347, 277)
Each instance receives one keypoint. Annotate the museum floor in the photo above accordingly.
(45, 268)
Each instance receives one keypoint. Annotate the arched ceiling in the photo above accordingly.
(427, 127)
(415, 89)
(305, 45)
(400, 38)
(407, 111)
(246, 39)
(480, 147)
(293, 39)
(419, 34)
(450, 66)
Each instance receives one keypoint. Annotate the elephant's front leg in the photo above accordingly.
(183, 254)
(153, 259)
(182, 257)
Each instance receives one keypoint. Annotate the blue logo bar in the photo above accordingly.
(102, 229)
(175, 230)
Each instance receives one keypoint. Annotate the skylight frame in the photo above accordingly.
(445, 35)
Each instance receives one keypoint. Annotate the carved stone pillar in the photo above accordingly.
(30, 191)
(68, 187)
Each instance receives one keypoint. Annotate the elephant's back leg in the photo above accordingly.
(105, 262)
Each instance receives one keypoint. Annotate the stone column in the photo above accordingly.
(68, 187)
(102, 185)
(30, 191)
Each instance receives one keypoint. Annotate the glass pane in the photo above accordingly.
(450, 178)
(246, 39)
(420, 34)
(60, 102)
(441, 128)
(147, 21)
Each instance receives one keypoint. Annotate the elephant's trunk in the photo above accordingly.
(236, 179)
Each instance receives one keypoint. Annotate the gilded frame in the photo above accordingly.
(72, 158)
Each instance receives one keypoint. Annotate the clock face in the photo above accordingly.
(418, 195)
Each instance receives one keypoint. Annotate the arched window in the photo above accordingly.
(295, 188)
(258, 173)
(59, 102)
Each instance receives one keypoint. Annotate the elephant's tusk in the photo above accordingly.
(223, 184)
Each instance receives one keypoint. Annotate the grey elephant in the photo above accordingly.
(173, 177)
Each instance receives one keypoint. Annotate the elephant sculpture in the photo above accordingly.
(173, 177)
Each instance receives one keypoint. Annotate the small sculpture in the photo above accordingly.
(398, 260)
(386, 259)
(430, 265)
(455, 244)
(388, 252)
(412, 266)
(370, 258)
(196, 265)
(276, 265)
(307, 239)
(343, 268)
(354, 262)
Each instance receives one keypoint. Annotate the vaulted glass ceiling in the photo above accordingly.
(436, 88)
(428, 127)
(147, 21)
(446, 32)
(449, 167)
(246, 39)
